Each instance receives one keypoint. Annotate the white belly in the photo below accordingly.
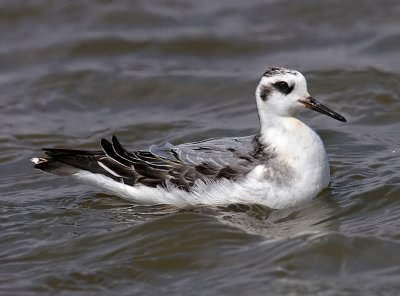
(259, 187)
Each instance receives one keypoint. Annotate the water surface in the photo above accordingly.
(73, 72)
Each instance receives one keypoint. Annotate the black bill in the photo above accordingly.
(313, 104)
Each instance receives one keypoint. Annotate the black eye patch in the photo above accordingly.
(265, 92)
(283, 87)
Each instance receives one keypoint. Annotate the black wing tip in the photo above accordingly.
(115, 141)
(104, 141)
(58, 151)
(54, 152)
(118, 148)
(109, 150)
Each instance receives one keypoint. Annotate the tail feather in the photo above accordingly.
(66, 162)
(54, 167)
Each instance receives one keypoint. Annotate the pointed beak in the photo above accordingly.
(313, 104)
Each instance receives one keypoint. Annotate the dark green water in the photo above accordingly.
(72, 72)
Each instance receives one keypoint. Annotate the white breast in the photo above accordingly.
(302, 150)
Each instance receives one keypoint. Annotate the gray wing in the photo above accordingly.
(181, 165)
(240, 153)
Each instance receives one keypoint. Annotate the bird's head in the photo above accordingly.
(283, 92)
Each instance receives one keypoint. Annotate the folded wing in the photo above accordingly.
(180, 165)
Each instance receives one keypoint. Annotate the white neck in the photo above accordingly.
(298, 146)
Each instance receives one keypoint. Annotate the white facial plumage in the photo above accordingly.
(279, 94)
(282, 93)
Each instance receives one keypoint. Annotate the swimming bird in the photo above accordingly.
(282, 165)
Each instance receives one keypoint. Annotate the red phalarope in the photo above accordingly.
(281, 166)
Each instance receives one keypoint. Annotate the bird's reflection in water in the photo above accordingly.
(316, 216)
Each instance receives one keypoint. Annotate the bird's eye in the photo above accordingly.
(283, 87)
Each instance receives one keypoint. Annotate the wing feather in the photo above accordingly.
(181, 165)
